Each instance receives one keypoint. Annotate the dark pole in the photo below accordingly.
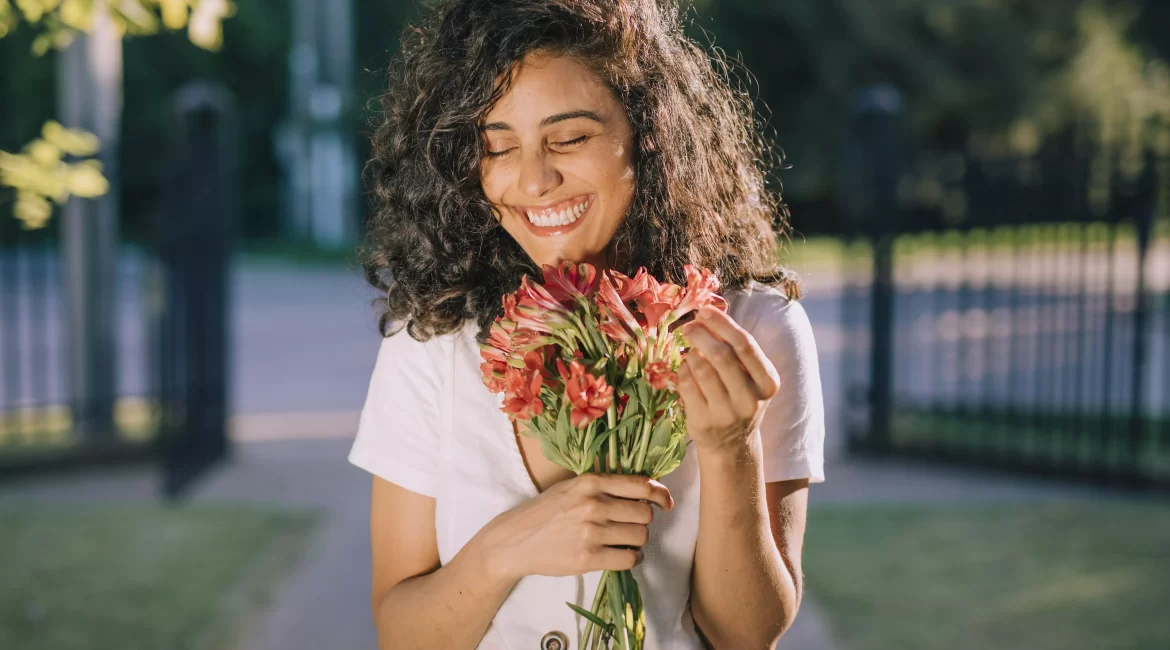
(874, 162)
(196, 241)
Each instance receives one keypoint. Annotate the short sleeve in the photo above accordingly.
(793, 427)
(398, 432)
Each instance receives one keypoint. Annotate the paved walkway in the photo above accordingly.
(324, 604)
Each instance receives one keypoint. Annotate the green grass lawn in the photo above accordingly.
(137, 576)
(1075, 576)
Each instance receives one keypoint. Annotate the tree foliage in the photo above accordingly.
(41, 172)
(1001, 72)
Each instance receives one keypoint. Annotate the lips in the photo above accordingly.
(558, 218)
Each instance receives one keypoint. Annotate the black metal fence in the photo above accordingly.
(1009, 308)
(166, 398)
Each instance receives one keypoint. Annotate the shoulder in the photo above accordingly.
(402, 355)
(774, 319)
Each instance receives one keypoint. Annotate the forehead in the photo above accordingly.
(543, 85)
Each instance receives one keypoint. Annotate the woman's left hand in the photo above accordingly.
(725, 382)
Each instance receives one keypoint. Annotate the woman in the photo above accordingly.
(525, 132)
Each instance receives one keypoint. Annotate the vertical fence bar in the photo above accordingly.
(873, 168)
(1144, 205)
(195, 249)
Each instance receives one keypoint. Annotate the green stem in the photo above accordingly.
(644, 442)
(611, 418)
(590, 625)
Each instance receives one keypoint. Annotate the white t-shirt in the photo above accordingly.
(431, 426)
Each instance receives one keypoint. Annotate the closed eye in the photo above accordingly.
(496, 154)
(573, 141)
(567, 143)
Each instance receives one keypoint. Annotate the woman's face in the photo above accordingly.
(559, 168)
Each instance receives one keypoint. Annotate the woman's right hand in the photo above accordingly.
(577, 526)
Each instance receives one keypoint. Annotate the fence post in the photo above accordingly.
(874, 162)
(90, 97)
(1144, 204)
(195, 241)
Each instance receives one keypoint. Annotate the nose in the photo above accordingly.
(537, 174)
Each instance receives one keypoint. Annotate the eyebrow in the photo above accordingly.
(552, 119)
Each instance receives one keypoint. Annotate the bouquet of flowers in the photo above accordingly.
(588, 363)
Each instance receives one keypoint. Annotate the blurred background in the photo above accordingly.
(980, 195)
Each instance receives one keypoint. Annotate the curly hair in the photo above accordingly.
(434, 248)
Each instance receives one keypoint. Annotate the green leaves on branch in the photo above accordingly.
(61, 20)
(42, 176)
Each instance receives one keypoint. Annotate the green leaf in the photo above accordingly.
(660, 436)
(616, 606)
(553, 453)
(590, 616)
(563, 428)
(598, 440)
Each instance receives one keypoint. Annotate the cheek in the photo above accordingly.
(610, 168)
(490, 181)
(494, 184)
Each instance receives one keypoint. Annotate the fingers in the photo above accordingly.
(706, 377)
(715, 361)
(620, 534)
(616, 559)
(626, 510)
(629, 486)
(745, 347)
(688, 388)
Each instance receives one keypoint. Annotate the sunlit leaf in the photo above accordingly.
(44, 153)
(77, 14)
(174, 13)
(74, 142)
(34, 211)
(86, 180)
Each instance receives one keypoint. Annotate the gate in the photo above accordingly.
(167, 356)
(1008, 307)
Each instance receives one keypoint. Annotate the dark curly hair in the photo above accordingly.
(434, 247)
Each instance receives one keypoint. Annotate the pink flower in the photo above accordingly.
(657, 301)
(589, 396)
(495, 352)
(570, 282)
(660, 376)
(500, 342)
(494, 374)
(522, 394)
(536, 309)
(700, 292)
(617, 321)
(535, 294)
(630, 288)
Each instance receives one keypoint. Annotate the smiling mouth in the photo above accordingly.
(563, 216)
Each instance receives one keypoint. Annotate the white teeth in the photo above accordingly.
(562, 218)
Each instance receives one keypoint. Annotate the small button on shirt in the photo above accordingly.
(430, 426)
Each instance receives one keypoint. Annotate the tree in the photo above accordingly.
(42, 173)
(999, 73)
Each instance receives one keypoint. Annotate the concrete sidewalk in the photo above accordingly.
(325, 604)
